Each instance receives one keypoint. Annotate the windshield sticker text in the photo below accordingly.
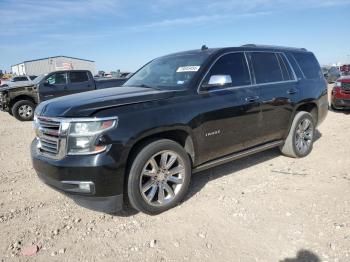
(182, 69)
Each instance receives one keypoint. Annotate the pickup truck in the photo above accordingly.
(21, 100)
(17, 81)
(178, 115)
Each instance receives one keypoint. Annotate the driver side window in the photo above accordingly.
(57, 79)
(233, 65)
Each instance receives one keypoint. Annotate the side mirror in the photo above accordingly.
(217, 81)
(46, 83)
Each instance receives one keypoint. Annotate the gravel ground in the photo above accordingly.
(261, 208)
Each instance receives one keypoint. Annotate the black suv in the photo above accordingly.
(179, 114)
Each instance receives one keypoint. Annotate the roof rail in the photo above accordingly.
(274, 46)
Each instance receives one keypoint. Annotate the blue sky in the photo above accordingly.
(125, 34)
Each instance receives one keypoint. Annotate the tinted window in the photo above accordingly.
(266, 68)
(76, 77)
(57, 79)
(32, 77)
(234, 65)
(309, 65)
(295, 65)
(20, 78)
(285, 67)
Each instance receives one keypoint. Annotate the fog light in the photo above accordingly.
(79, 186)
(85, 186)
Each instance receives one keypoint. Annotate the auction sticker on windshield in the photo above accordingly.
(182, 69)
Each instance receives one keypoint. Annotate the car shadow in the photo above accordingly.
(200, 179)
(303, 256)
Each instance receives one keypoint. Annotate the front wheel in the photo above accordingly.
(300, 139)
(23, 110)
(159, 177)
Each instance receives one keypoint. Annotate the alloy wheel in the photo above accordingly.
(162, 178)
(304, 136)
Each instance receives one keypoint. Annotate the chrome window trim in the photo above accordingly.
(281, 60)
(279, 63)
(249, 68)
(290, 66)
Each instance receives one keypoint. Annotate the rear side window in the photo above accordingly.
(266, 67)
(309, 65)
(77, 77)
(20, 78)
(32, 77)
(286, 70)
(234, 65)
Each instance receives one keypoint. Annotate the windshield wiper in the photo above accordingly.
(145, 86)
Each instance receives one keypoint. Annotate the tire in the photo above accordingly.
(23, 110)
(149, 176)
(299, 142)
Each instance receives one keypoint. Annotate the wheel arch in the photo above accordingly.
(307, 106)
(19, 98)
(310, 107)
(180, 135)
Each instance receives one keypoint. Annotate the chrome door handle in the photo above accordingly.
(292, 91)
(251, 99)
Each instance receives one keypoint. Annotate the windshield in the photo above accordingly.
(39, 78)
(171, 72)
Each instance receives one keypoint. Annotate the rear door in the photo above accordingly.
(53, 86)
(230, 122)
(278, 91)
(79, 81)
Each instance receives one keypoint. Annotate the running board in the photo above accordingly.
(235, 156)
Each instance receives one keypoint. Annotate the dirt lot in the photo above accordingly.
(262, 208)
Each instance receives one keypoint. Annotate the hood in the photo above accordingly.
(344, 79)
(11, 86)
(85, 104)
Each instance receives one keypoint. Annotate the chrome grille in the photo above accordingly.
(48, 133)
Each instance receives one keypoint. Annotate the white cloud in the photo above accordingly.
(196, 20)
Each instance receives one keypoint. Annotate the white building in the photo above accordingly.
(50, 64)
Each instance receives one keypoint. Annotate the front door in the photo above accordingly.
(231, 119)
(54, 85)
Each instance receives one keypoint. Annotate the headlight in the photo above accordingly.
(337, 84)
(83, 137)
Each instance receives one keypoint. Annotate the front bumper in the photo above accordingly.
(100, 175)
(4, 105)
(341, 103)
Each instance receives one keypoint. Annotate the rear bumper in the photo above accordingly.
(94, 181)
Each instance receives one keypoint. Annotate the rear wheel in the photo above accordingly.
(23, 110)
(159, 177)
(300, 139)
